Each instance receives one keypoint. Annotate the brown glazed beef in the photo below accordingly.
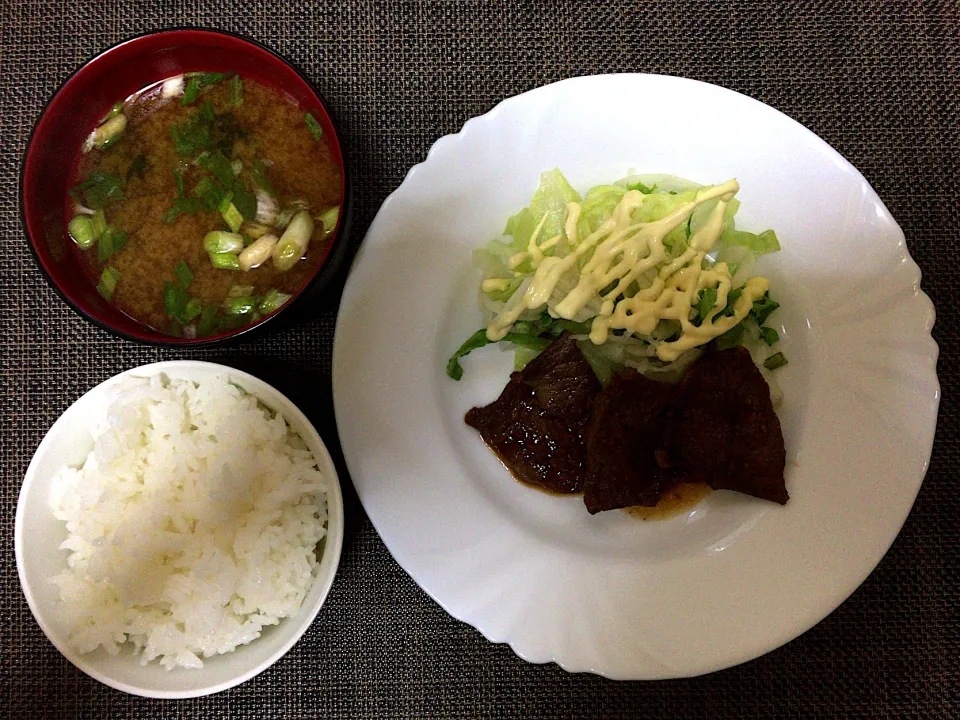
(536, 425)
(622, 437)
(562, 380)
(723, 430)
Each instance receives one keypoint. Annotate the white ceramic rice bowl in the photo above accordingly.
(38, 535)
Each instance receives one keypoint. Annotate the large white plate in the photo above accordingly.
(733, 578)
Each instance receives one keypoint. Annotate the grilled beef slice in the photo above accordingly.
(622, 437)
(722, 428)
(562, 380)
(536, 425)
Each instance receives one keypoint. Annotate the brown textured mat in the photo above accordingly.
(878, 80)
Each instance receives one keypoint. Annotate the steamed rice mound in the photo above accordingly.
(193, 523)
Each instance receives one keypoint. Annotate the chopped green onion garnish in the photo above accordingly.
(108, 282)
(112, 113)
(769, 335)
(775, 361)
(178, 177)
(204, 130)
(217, 164)
(237, 166)
(261, 178)
(286, 253)
(184, 274)
(763, 308)
(272, 301)
(105, 135)
(208, 320)
(239, 305)
(111, 242)
(204, 187)
(329, 219)
(732, 296)
(236, 90)
(245, 201)
(224, 261)
(293, 243)
(233, 218)
(81, 230)
(99, 190)
(207, 193)
(99, 220)
(170, 215)
(191, 91)
(222, 242)
(192, 204)
(193, 308)
(174, 299)
(316, 132)
(207, 79)
(226, 202)
(708, 298)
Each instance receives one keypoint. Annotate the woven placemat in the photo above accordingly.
(878, 80)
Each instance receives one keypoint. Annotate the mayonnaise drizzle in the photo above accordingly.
(625, 251)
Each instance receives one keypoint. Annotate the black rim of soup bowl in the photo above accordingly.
(311, 292)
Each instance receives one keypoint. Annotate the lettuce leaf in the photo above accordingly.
(597, 207)
(757, 243)
(479, 339)
(550, 199)
(661, 204)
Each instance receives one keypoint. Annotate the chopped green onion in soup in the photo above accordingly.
(184, 274)
(223, 242)
(316, 132)
(108, 282)
(81, 230)
(273, 301)
(232, 217)
(293, 243)
(240, 305)
(329, 220)
(224, 261)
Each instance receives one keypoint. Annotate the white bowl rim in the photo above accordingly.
(332, 548)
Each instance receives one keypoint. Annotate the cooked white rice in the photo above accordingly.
(192, 524)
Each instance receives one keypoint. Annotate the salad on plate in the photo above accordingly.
(649, 269)
(609, 301)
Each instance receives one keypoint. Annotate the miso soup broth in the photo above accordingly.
(203, 203)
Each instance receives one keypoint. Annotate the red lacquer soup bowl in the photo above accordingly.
(87, 96)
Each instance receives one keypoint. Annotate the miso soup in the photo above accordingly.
(203, 203)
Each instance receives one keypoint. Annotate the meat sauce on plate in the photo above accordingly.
(637, 443)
